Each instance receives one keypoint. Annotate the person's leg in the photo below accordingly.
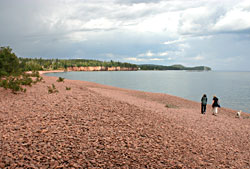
(215, 110)
(201, 108)
(205, 106)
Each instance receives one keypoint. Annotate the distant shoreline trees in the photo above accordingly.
(30, 64)
(13, 76)
(12, 64)
(174, 67)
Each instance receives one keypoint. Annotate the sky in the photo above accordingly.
(214, 33)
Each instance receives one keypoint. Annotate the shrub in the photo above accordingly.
(26, 81)
(68, 88)
(52, 89)
(11, 75)
(60, 79)
(171, 106)
(39, 79)
(13, 83)
(35, 74)
(9, 63)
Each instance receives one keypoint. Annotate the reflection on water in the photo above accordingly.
(232, 88)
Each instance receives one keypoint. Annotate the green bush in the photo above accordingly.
(11, 75)
(27, 81)
(39, 79)
(52, 89)
(35, 74)
(13, 83)
(9, 63)
(171, 106)
(60, 79)
(68, 88)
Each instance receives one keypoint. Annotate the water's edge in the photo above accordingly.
(188, 85)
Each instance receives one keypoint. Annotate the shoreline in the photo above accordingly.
(50, 71)
(56, 71)
(100, 126)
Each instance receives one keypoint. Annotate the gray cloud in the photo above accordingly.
(136, 1)
(192, 32)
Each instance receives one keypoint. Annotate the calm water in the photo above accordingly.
(232, 88)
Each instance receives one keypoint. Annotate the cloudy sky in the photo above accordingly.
(213, 33)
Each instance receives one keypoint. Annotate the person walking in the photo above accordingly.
(203, 104)
(215, 105)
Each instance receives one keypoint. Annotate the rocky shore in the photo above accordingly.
(98, 126)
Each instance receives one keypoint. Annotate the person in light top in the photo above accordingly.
(215, 105)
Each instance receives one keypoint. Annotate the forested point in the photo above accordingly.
(11, 64)
(29, 64)
(13, 76)
(174, 67)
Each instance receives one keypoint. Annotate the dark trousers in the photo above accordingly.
(203, 108)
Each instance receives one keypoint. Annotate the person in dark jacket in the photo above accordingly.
(203, 104)
(215, 105)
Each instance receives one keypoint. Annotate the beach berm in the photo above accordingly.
(98, 126)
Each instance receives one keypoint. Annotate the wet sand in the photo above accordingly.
(98, 126)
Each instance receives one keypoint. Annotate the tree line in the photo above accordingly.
(13, 76)
(29, 64)
(173, 67)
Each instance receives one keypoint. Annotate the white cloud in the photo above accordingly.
(144, 59)
(76, 37)
(173, 41)
(134, 59)
(198, 57)
(204, 37)
(184, 45)
(163, 54)
(235, 19)
(151, 54)
(156, 59)
(99, 23)
(195, 20)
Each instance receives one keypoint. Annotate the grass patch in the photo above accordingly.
(60, 79)
(171, 106)
(52, 89)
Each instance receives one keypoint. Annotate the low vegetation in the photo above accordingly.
(60, 79)
(68, 88)
(52, 89)
(170, 106)
(12, 76)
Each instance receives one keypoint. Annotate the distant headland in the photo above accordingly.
(95, 65)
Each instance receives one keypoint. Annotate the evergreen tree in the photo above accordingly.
(9, 63)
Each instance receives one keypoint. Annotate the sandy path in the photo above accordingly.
(99, 126)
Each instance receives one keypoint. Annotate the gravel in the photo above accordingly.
(98, 126)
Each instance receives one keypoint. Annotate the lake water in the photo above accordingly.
(232, 88)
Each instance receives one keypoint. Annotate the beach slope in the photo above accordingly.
(98, 126)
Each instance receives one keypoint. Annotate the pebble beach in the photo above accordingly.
(99, 126)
